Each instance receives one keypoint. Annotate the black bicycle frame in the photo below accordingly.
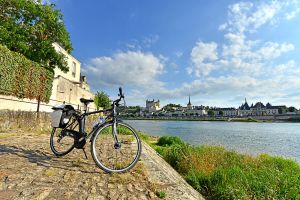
(82, 121)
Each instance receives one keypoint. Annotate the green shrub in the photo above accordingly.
(23, 78)
(169, 140)
(218, 173)
(175, 155)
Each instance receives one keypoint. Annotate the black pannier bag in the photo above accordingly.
(61, 115)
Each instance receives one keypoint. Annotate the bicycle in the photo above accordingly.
(115, 146)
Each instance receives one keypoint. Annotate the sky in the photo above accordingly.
(218, 52)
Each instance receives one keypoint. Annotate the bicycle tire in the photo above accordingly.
(129, 140)
(57, 147)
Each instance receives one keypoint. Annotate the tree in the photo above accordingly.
(221, 113)
(30, 28)
(291, 109)
(211, 113)
(101, 100)
(280, 110)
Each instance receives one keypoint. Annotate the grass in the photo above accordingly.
(218, 173)
(160, 194)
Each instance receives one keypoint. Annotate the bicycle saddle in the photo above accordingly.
(86, 101)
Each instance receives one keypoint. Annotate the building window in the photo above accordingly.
(73, 69)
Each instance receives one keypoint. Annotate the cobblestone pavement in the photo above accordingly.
(29, 170)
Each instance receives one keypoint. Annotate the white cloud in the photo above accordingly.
(294, 11)
(246, 67)
(271, 50)
(247, 16)
(292, 14)
(178, 54)
(144, 43)
(239, 53)
(134, 68)
(150, 40)
(201, 55)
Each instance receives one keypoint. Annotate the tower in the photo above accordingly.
(189, 105)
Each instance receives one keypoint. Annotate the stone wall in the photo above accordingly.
(23, 120)
(30, 121)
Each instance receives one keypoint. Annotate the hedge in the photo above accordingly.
(23, 78)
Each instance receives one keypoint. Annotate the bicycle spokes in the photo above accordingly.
(112, 155)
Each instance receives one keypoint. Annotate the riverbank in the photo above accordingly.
(218, 173)
(248, 119)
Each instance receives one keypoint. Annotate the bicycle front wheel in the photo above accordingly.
(112, 156)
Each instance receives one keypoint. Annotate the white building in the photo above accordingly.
(225, 112)
(152, 105)
(259, 109)
(71, 86)
(194, 110)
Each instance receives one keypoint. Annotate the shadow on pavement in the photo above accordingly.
(47, 160)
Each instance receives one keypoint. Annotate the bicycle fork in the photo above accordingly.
(117, 144)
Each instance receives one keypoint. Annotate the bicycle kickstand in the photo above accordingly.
(84, 153)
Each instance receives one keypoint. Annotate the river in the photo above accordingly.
(282, 139)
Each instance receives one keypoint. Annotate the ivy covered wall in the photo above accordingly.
(23, 78)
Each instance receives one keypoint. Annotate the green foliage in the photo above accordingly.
(101, 100)
(30, 28)
(132, 109)
(221, 174)
(291, 109)
(171, 107)
(221, 113)
(210, 113)
(23, 78)
(282, 110)
(143, 136)
(161, 194)
(169, 140)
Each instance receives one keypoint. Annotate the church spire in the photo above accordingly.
(189, 105)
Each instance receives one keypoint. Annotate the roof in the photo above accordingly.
(259, 105)
(244, 106)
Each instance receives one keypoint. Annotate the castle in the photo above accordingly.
(152, 106)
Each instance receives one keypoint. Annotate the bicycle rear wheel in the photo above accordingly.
(62, 139)
(116, 157)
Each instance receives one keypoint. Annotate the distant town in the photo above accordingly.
(153, 109)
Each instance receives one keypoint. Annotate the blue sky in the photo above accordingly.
(219, 52)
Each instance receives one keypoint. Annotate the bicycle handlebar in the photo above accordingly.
(121, 94)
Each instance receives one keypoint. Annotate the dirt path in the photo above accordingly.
(28, 170)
